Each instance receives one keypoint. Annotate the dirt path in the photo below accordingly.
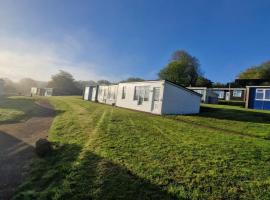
(17, 148)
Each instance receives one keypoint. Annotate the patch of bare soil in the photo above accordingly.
(17, 142)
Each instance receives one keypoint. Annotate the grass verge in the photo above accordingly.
(104, 152)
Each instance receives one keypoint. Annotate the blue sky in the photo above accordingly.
(116, 39)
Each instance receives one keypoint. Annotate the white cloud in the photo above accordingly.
(24, 57)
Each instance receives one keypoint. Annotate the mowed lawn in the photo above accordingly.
(15, 109)
(104, 152)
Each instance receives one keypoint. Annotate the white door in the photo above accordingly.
(86, 93)
(94, 90)
(156, 102)
(227, 97)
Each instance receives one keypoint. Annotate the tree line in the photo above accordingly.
(182, 68)
(63, 83)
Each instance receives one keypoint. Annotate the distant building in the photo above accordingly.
(208, 96)
(35, 91)
(90, 92)
(258, 97)
(157, 97)
(227, 94)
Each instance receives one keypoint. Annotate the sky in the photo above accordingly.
(117, 39)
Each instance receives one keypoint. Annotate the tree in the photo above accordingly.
(25, 84)
(261, 71)
(2, 82)
(132, 79)
(219, 85)
(9, 87)
(104, 82)
(183, 69)
(63, 83)
(203, 82)
(82, 84)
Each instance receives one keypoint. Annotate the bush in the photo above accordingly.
(232, 103)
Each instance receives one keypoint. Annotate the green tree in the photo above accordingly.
(261, 71)
(82, 84)
(132, 79)
(183, 69)
(63, 83)
(103, 82)
(25, 84)
(203, 82)
(219, 85)
(10, 88)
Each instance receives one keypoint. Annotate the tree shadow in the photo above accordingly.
(64, 176)
(15, 156)
(29, 107)
(235, 115)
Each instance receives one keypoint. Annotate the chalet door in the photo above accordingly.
(227, 97)
(86, 93)
(94, 90)
(156, 102)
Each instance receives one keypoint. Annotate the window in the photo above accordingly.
(124, 92)
(156, 94)
(111, 93)
(263, 94)
(259, 94)
(146, 93)
(141, 93)
(237, 93)
(136, 93)
(267, 94)
(105, 94)
(220, 94)
(100, 92)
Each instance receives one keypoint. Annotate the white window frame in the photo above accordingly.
(155, 96)
(143, 94)
(124, 92)
(263, 91)
(220, 93)
(236, 94)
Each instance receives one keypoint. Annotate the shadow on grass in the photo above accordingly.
(29, 107)
(235, 115)
(63, 176)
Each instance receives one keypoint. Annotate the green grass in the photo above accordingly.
(15, 109)
(231, 120)
(104, 152)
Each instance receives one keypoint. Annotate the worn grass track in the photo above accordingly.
(103, 152)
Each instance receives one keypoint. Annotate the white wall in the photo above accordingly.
(129, 101)
(179, 101)
(34, 90)
(86, 93)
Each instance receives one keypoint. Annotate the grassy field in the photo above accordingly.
(103, 152)
(17, 108)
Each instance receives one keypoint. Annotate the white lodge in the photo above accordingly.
(157, 97)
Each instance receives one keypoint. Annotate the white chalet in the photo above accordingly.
(157, 97)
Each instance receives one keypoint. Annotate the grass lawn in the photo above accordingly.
(15, 109)
(103, 152)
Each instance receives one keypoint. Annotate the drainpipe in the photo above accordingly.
(229, 91)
